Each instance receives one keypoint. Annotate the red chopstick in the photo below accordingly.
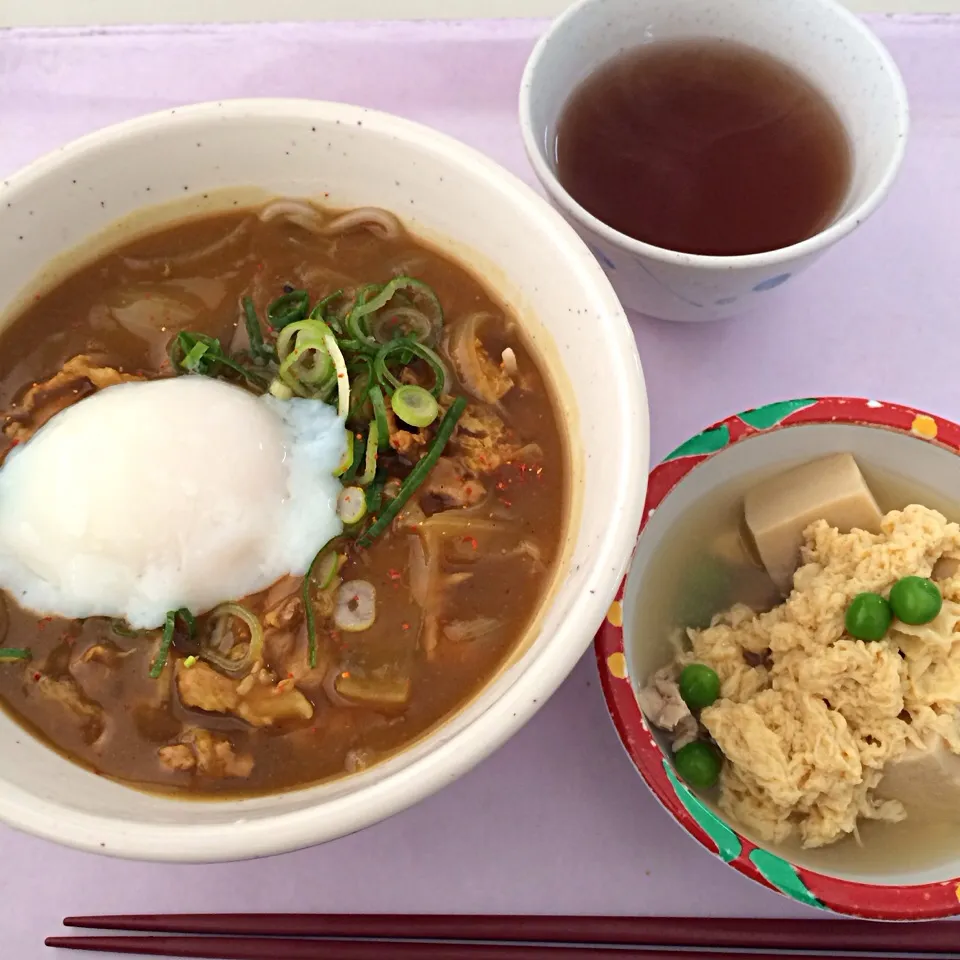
(936, 937)
(273, 948)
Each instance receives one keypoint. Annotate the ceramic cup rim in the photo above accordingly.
(839, 228)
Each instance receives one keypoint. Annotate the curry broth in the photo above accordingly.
(123, 310)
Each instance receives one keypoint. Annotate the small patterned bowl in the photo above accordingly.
(906, 456)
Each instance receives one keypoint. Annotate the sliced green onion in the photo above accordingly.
(370, 460)
(192, 360)
(418, 474)
(301, 331)
(328, 569)
(380, 416)
(254, 652)
(315, 571)
(347, 459)
(374, 494)
(160, 661)
(280, 390)
(288, 308)
(359, 457)
(319, 312)
(343, 378)
(207, 362)
(396, 349)
(259, 350)
(402, 322)
(351, 505)
(423, 297)
(414, 405)
(14, 654)
(190, 661)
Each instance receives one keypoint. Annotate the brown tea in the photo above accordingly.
(704, 146)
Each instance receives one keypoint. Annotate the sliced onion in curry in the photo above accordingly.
(483, 379)
(165, 263)
(220, 635)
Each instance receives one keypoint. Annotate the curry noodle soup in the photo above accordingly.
(423, 477)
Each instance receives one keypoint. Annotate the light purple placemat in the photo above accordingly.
(556, 821)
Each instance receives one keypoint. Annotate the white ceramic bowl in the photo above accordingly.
(447, 193)
(820, 38)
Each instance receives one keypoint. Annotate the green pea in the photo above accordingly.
(699, 764)
(868, 616)
(699, 685)
(915, 600)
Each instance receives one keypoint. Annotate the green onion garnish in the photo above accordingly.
(259, 350)
(14, 654)
(160, 661)
(404, 349)
(169, 627)
(199, 353)
(370, 459)
(359, 457)
(288, 308)
(380, 415)
(351, 505)
(192, 360)
(424, 300)
(316, 569)
(418, 474)
(414, 405)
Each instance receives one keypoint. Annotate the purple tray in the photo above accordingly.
(556, 821)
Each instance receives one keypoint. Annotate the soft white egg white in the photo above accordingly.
(185, 492)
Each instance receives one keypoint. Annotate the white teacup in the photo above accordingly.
(820, 38)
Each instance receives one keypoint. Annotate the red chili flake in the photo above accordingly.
(404, 626)
(468, 490)
(345, 673)
(313, 729)
(36, 677)
(259, 266)
(14, 443)
(42, 622)
(394, 574)
(290, 674)
(501, 485)
(472, 541)
(506, 503)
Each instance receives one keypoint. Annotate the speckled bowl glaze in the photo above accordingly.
(820, 38)
(914, 451)
(454, 197)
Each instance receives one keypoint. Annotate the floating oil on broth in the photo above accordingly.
(706, 147)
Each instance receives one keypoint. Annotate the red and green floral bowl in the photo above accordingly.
(903, 453)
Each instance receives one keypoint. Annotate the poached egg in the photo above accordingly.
(151, 496)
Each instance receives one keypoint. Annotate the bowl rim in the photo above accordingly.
(534, 142)
(866, 900)
(523, 691)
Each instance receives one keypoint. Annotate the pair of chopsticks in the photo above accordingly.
(434, 937)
